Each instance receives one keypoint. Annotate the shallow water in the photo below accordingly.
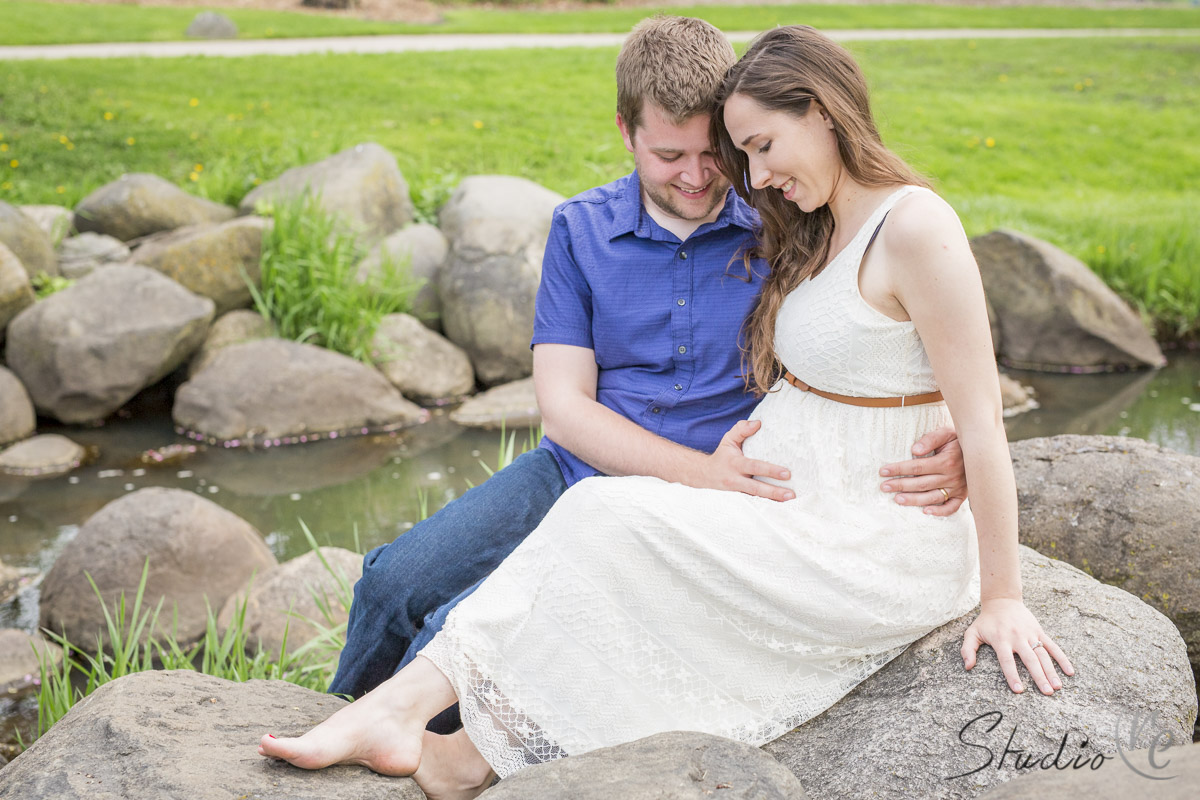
(363, 491)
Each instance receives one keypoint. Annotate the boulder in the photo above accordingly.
(361, 186)
(211, 25)
(214, 261)
(286, 597)
(29, 243)
(1173, 773)
(86, 350)
(422, 364)
(497, 227)
(897, 734)
(1123, 510)
(48, 454)
(19, 656)
(233, 327)
(17, 420)
(417, 251)
(139, 204)
(55, 221)
(87, 252)
(199, 554)
(275, 392)
(182, 734)
(512, 406)
(1054, 313)
(679, 765)
(1017, 399)
(16, 292)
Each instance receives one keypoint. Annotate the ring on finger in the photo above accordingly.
(945, 495)
(1036, 644)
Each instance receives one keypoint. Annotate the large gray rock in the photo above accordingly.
(55, 221)
(1053, 312)
(1125, 511)
(87, 252)
(897, 734)
(1171, 772)
(199, 554)
(48, 454)
(361, 186)
(186, 735)
(234, 327)
(274, 392)
(512, 406)
(423, 365)
(16, 292)
(283, 599)
(139, 204)
(679, 765)
(19, 653)
(31, 245)
(417, 251)
(86, 350)
(211, 25)
(497, 227)
(17, 420)
(214, 261)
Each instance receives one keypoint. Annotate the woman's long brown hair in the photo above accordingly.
(786, 69)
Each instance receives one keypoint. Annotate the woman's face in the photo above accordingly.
(796, 155)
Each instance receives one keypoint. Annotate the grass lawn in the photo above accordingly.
(27, 22)
(1090, 144)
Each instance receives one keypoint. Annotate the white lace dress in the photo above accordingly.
(640, 606)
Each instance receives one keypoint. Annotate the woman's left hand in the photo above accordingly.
(1009, 628)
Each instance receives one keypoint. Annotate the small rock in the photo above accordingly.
(283, 599)
(423, 365)
(47, 454)
(139, 204)
(29, 243)
(87, 252)
(17, 419)
(55, 221)
(512, 406)
(19, 658)
(211, 25)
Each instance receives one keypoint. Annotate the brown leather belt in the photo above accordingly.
(868, 402)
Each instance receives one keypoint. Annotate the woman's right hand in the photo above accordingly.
(1009, 628)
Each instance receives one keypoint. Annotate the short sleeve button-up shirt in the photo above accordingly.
(662, 316)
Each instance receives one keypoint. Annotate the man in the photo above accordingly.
(645, 287)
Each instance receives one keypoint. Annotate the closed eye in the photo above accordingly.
(764, 148)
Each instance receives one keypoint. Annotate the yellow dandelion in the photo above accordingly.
(971, 44)
(316, 134)
(195, 101)
(973, 141)
(131, 141)
(435, 120)
(1, 137)
(478, 124)
(1003, 78)
(197, 168)
(70, 145)
(195, 176)
(6, 185)
(229, 117)
(43, 89)
(990, 142)
(108, 116)
(3, 147)
(63, 140)
(1079, 87)
(257, 181)
(60, 190)
(1088, 82)
(1101, 249)
(265, 105)
(14, 163)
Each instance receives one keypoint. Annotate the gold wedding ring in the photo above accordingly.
(945, 495)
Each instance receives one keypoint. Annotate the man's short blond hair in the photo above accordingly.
(677, 63)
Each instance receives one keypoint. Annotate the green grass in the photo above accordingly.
(54, 23)
(1093, 143)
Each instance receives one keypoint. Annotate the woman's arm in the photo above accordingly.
(929, 269)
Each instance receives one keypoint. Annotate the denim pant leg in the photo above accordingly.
(437, 560)
(448, 720)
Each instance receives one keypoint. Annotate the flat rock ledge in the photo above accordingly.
(42, 456)
(183, 734)
(897, 734)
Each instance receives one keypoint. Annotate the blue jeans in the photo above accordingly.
(409, 586)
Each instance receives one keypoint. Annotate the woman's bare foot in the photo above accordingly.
(451, 768)
(382, 731)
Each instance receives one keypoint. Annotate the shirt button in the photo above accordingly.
(656, 410)
(683, 254)
(681, 302)
(679, 387)
(682, 349)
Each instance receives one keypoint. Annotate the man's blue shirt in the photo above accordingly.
(663, 317)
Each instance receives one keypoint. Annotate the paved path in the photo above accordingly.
(500, 41)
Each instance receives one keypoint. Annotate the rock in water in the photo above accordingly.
(48, 454)
(512, 406)
(199, 554)
(1055, 313)
(86, 350)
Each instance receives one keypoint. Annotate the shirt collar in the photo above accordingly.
(630, 214)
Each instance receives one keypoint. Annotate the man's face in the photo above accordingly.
(675, 164)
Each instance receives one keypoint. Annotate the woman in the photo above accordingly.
(640, 606)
